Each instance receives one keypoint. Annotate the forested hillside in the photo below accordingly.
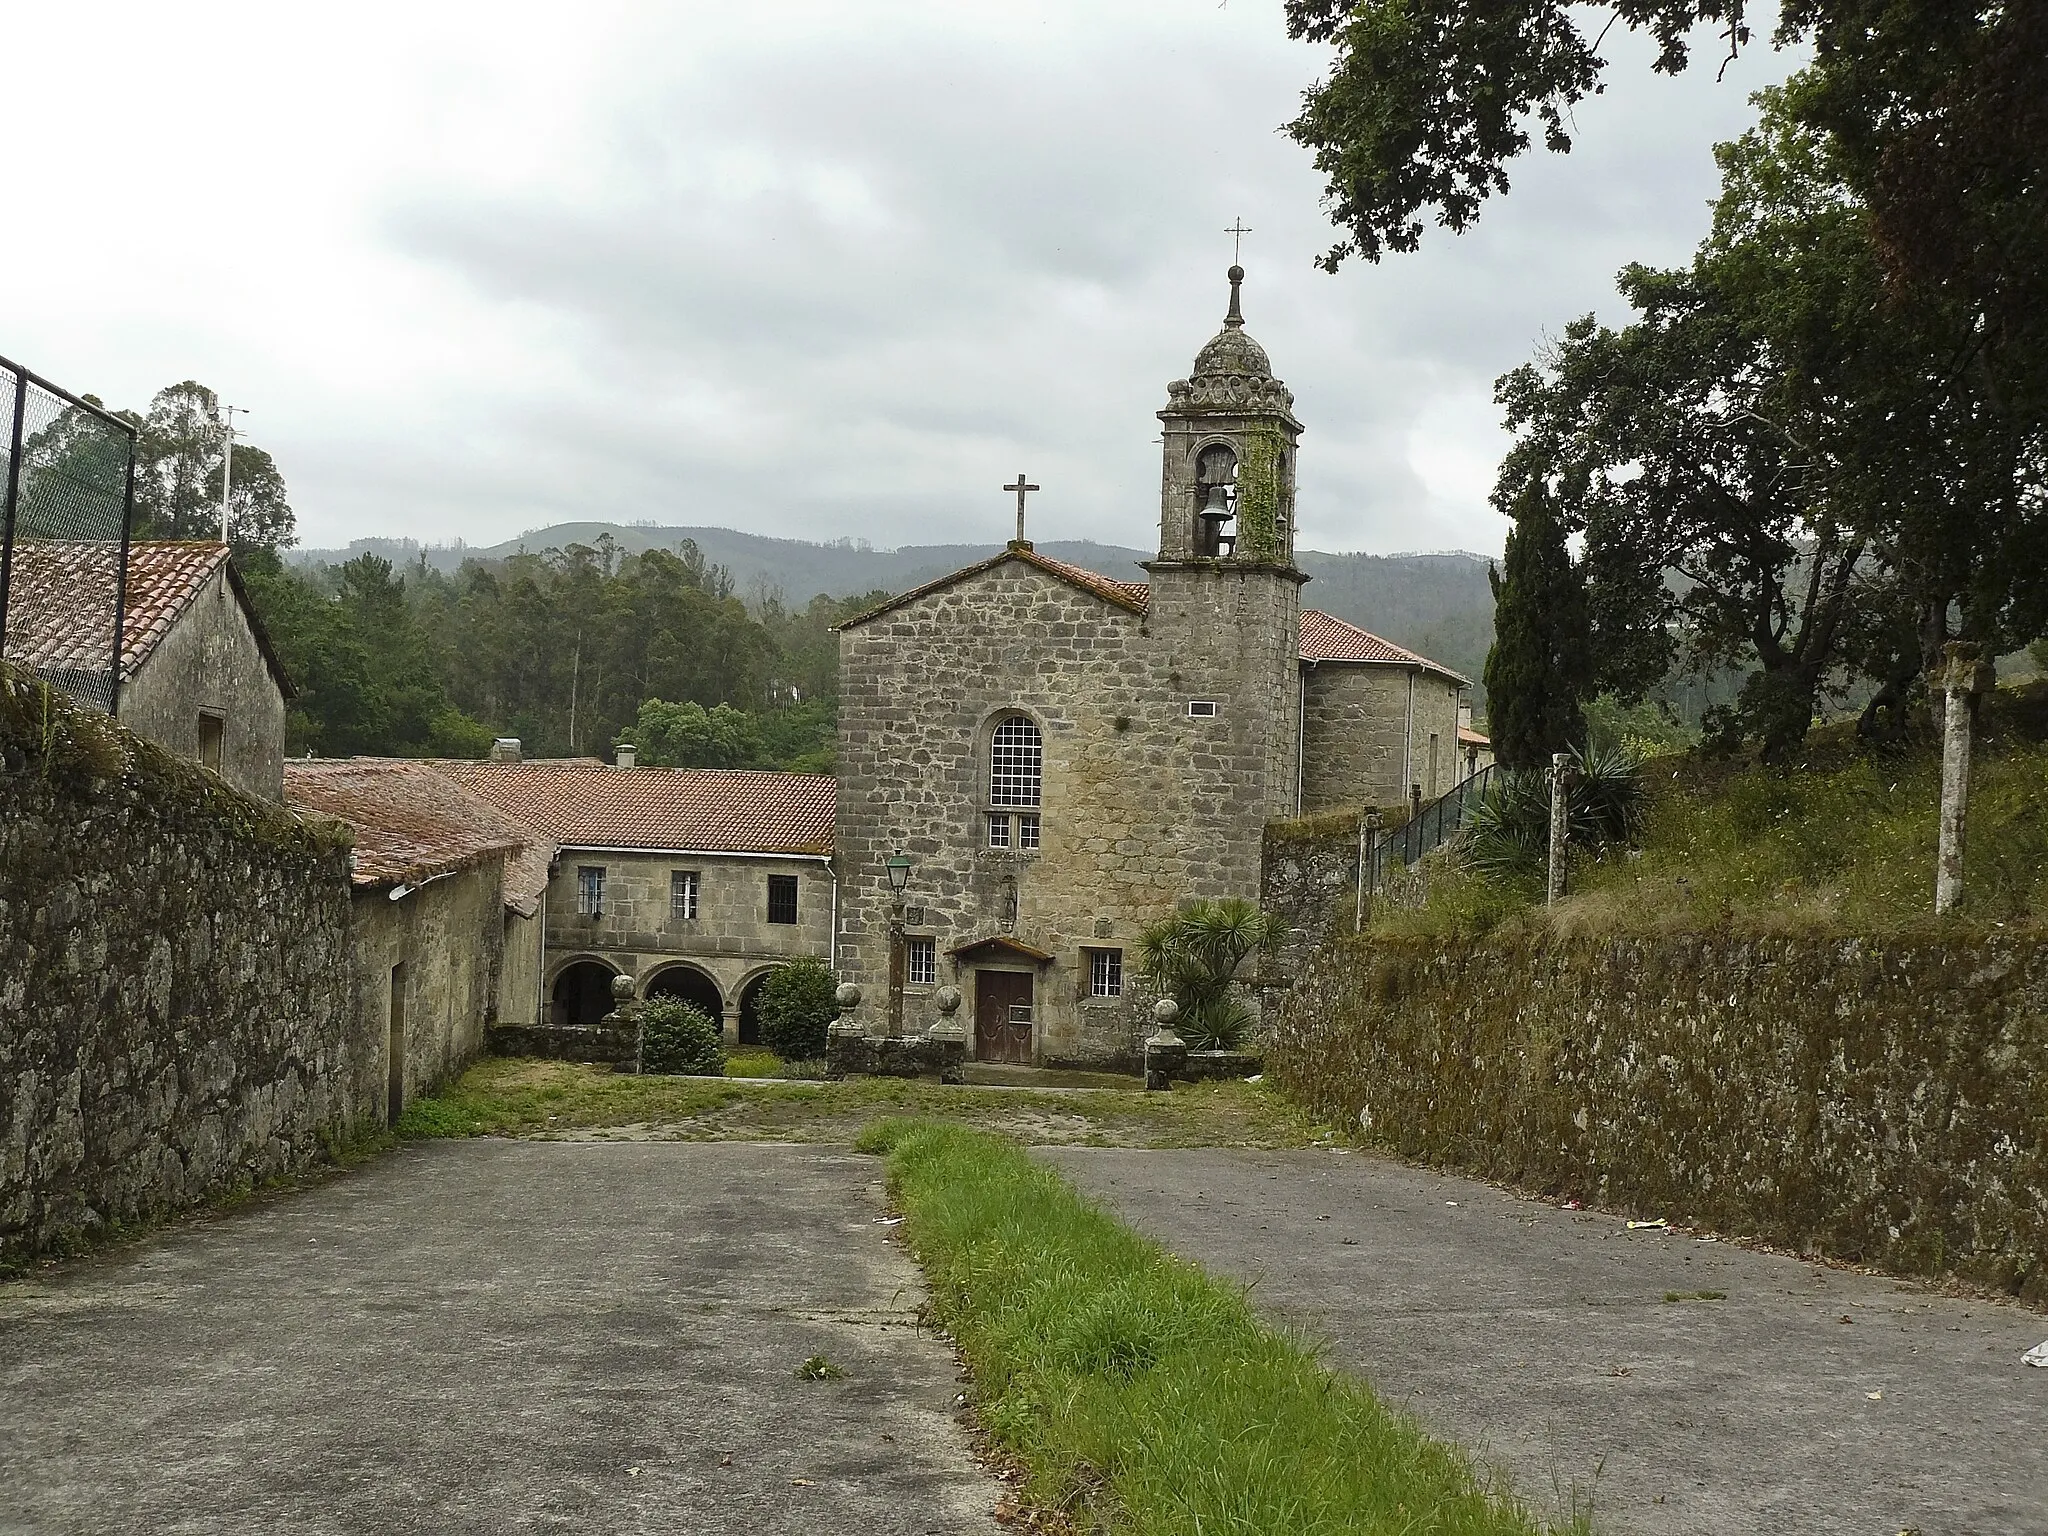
(560, 649)
(1439, 605)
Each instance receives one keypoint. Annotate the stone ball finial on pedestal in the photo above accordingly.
(623, 988)
(846, 998)
(947, 1026)
(1166, 1054)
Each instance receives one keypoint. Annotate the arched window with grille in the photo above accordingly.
(1016, 780)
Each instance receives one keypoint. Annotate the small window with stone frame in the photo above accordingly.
(1105, 972)
(682, 895)
(921, 957)
(998, 830)
(590, 890)
(782, 898)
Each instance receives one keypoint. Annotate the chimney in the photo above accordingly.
(626, 754)
(1464, 716)
(505, 750)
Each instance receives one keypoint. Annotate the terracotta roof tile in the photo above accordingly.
(1134, 595)
(1467, 737)
(580, 803)
(1324, 638)
(61, 595)
(412, 823)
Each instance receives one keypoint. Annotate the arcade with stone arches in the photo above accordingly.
(579, 989)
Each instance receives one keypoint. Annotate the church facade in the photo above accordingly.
(1062, 757)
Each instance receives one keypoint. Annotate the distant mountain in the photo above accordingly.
(1437, 604)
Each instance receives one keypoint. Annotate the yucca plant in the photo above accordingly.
(1511, 827)
(1194, 957)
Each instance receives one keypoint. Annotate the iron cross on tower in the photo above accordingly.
(1022, 487)
(1237, 232)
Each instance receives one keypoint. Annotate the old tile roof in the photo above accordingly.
(1134, 595)
(412, 823)
(581, 803)
(52, 627)
(1467, 737)
(1323, 637)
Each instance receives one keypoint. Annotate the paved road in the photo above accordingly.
(497, 1336)
(1542, 1338)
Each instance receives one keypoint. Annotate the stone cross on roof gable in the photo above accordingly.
(1022, 487)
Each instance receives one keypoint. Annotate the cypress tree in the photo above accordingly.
(1539, 671)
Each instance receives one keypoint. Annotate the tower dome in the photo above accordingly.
(1232, 372)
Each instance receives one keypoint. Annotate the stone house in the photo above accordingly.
(443, 930)
(698, 883)
(198, 675)
(1062, 758)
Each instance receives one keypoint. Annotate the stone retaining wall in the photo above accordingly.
(1884, 1101)
(176, 999)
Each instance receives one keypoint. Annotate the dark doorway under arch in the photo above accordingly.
(750, 1009)
(582, 995)
(692, 986)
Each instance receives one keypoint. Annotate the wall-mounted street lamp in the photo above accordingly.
(899, 871)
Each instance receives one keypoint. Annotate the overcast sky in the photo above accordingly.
(809, 270)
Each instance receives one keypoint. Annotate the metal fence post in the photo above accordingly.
(13, 497)
(121, 582)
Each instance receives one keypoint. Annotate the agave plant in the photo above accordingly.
(1195, 956)
(1511, 826)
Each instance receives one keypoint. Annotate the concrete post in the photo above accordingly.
(1963, 677)
(1560, 812)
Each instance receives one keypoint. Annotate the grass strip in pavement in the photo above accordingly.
(1140, 1394)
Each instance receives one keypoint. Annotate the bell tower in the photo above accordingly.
(1227, 472)
(1226, 595)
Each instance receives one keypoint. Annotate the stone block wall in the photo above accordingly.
(1367, 732)
(177, 1006)
(210, 661)
(1143, 805)
(442, 946)
(1878, 1100)
(730, 941)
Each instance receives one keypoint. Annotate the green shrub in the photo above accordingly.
(797, 1008)
(680, 1037)
(1195, 956)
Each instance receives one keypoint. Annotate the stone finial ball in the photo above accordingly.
(948, 999)
(622, 989)
(1165, 1011)
(848, 996)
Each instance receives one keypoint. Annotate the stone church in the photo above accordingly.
(1053, 759)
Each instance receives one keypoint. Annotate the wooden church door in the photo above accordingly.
(1002, 1016)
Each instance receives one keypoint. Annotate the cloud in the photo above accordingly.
(811, 270)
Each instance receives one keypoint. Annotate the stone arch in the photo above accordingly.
(689, 983)
(580, 992)
(749, 994)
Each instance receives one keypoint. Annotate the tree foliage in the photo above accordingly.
(798, 1005)
(1774, 466)
(1539, 672)
(178, 476)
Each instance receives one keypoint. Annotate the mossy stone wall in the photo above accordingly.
(1881, 1101)
(177, 1010)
